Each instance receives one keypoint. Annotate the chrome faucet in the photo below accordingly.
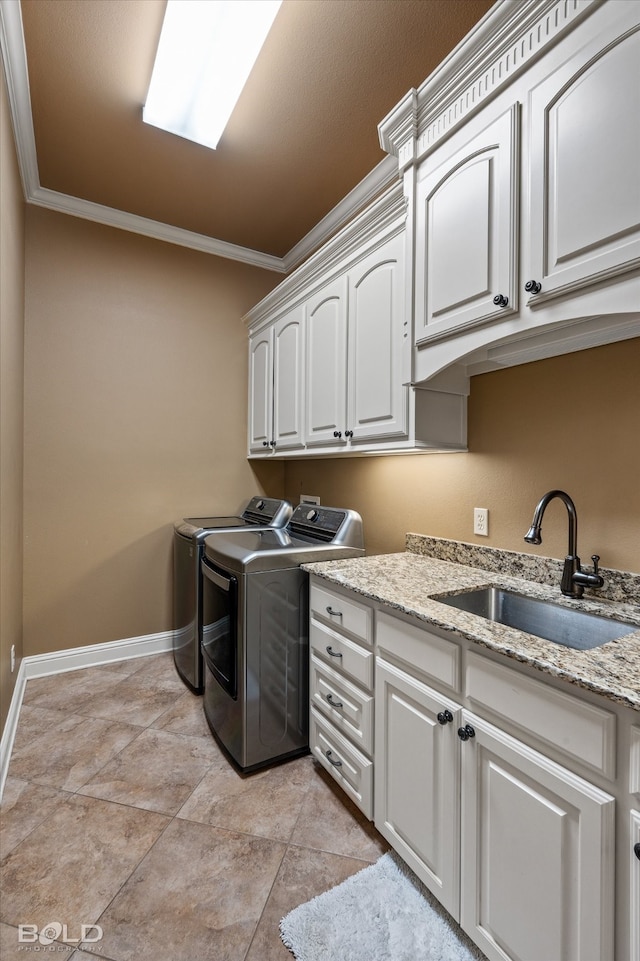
(574, 579)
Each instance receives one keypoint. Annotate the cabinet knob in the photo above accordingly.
(348, 433)
(332, 652)
(273, 444)
(464, 733)
(500, 300)
(445, 717)
(336, 763)
(533, 287)
(265, 443)
(337, 433)
(636, 850)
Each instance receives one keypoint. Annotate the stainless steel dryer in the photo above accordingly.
(255, 635)
(189, 535)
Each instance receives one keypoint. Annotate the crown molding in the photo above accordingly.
(508, 38)
(110, 217)
(14, 57)
(375, 224)
(384, 175)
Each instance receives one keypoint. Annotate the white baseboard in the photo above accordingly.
(73, 659)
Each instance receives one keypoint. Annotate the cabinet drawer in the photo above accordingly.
(422, 649)
(343, 703)
(342, 613)
(351, 769)
(577, 729)
(344, 655)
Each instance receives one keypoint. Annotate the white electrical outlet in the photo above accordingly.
(481, 521)
(13, 658)
(309, 499)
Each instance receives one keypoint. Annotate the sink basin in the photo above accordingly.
(542, 618)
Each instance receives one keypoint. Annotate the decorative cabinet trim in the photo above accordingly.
(375, 225)
(505, 41)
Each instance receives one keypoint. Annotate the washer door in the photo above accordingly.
(220, 627)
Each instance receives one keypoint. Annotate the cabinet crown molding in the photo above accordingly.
(507, 39)
(383, 218)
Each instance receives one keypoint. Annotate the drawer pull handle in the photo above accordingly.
(332, 652)
(636, 850)
(333, 703)
(333, 613)
(445, 717)
(464, 733)
(327, 754)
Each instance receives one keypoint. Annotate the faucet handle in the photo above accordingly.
(596, 560)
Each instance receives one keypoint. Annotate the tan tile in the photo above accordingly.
(24, 807)
(33, 721)
(266, 803)
(139, 698)
(198, 894)
(157, 772)
(329, 821)
(71, 752)
(71, 866)
(162, 669)
(185, 716)
(303, 875)
(69, 690)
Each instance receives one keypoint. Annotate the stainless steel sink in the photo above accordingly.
(543, 618)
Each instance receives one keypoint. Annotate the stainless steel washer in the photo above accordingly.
(255, 635)
(188, 541)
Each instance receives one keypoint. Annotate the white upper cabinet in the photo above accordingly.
(261, 390)
(355, 331)
(584, 166)
(276, 367)
(520, 157)
(377, 398)
(466, 232)
(326, 379)
(288, 370)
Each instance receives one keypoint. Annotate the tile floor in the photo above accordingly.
(121, 811)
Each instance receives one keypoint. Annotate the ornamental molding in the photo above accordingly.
(374, 226)
(507, 40)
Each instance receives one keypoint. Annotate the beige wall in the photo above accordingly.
(11, 383)
(135, 414)
(570, 422)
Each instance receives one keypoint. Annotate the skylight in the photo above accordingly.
(206, 52)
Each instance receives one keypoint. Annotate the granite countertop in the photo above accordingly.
(412, 581)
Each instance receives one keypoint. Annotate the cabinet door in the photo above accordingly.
(261, 391)
(326, 368)
(288, 361)
(634, 887)
(537, 854)
(585, 158)
(417, 788)
(466, 233)
(377, 398)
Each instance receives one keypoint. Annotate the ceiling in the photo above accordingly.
(303, 135)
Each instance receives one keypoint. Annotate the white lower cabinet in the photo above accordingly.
(516, 847)
(634, 885)
(537, 878)
(341, 691)
(417, 779)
